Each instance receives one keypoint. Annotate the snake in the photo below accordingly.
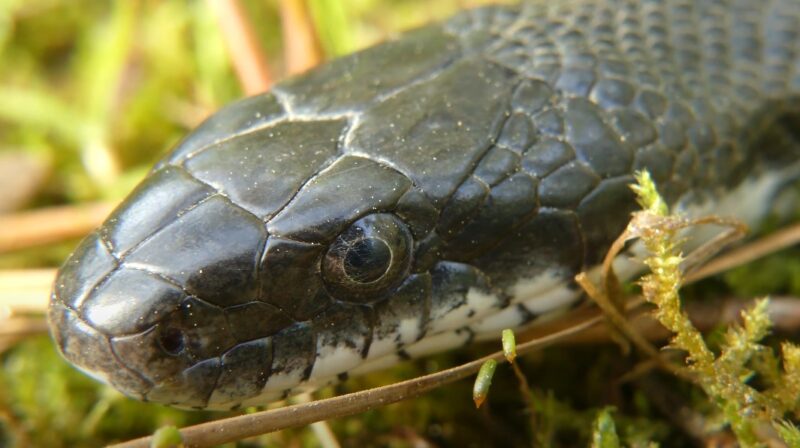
(426, 192)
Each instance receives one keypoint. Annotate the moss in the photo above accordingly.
(724, 377)
(605, 432)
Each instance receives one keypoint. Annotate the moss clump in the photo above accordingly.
(724, 377)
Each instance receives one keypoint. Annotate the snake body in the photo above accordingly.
(426, 191)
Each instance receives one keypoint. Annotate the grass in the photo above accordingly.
(95, 92)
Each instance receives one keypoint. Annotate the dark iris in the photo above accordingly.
(172, 341)
(367, 260)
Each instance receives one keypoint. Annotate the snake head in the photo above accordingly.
(300, 236)
(184, 298)
(210, 290)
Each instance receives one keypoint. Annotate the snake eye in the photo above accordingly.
(371, 256)
(367, 260)
(172, 341)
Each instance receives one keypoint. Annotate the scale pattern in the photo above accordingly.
(494, 149)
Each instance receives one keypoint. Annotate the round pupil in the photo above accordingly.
(172, 341)
(367, 260)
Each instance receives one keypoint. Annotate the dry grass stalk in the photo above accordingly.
(243, 46)
(767, 245)
(50, 225)
(25, 290)
(301, 48)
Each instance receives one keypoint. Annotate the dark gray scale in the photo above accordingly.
(554, 235)
(256, 320)
(496, 165)
(595, 142)
(410, 302)
(531, 96)
(462, 207)
(294, 350)
(576, 81)
(417, 210)
(657, 160)
(672, 136)
(508, 205)
(612, 93)
(550, 122)
(650, 103)
(350, 83)
(244, 371)
(283, 262)
(565, 186)
(224, 270)
(158, 201)
(230, 122)
(633, 128)
(545, 157)
(518, 133)
(344, 332)
(76, 280)
(110, 304)
(351, 187)
(280, 158)
(432, 132)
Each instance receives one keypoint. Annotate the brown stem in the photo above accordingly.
(527, 396)
(301, 49)
(50, 225)
(22, 326)
(623, 324)
(244, 48)
(784, 312)
(767, 245)
(25, 290)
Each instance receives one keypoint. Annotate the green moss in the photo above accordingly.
(725, 377)
(605, 432)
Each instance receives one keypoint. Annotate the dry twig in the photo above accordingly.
(25, 290)
(774, 242)
(301, 49)
(50, 225)
(243, 46)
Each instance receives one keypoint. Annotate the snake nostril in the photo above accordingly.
(172, 341)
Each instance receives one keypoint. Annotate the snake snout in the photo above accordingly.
(136, 329)
(90, 276)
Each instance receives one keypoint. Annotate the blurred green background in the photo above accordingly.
(93, 92)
